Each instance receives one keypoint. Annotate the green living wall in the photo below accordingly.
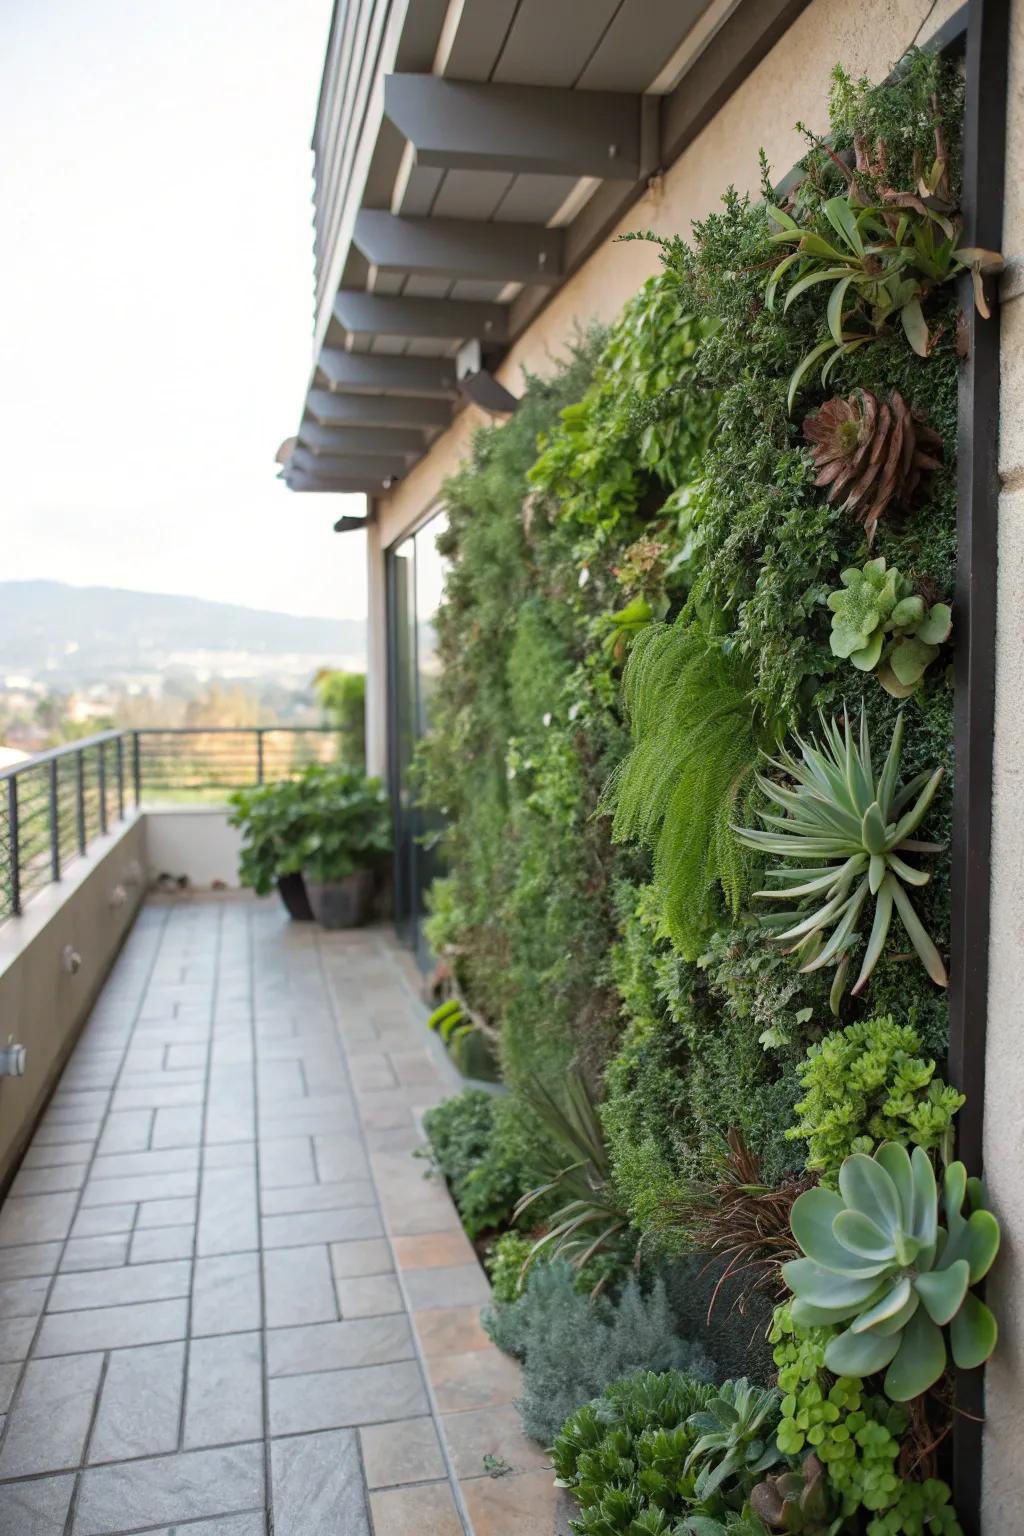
(693, 751)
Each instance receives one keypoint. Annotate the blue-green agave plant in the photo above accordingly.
(878, 1259)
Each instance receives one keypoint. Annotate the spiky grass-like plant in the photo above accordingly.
(846, 830)
(579, 1174)
(689, 776)
(739, 1219)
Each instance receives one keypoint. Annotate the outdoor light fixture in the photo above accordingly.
(479, 385)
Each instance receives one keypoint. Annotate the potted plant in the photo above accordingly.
(346, 836)
(270, 817)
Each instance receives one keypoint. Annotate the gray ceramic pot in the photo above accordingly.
(342, 903)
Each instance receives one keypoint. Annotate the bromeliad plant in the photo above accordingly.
(884, 249)
(883, 626)
(847, 831)
(878, 1260)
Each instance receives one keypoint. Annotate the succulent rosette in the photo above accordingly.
(879, 1260)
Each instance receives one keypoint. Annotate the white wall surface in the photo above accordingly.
(195, 841)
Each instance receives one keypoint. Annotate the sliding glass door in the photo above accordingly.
(415, 579)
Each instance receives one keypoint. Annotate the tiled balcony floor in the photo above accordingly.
(230, 1304)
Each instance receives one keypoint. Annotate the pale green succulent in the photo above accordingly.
(737, 1436)
(878, 1259)
(846, 830)
(883, 626)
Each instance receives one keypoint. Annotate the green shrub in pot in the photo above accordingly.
(270, 817)
(345, 840)
(326, 826)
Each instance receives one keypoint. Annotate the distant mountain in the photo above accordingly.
(98, 631)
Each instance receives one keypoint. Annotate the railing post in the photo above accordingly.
(102, 783)
(83, 838)
(136, 769)
(259, 755)
(14, 842)
(54, 820)
(120, 778)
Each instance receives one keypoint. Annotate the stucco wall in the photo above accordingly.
(194, 841)
(1004, 1093)
(42, 1003)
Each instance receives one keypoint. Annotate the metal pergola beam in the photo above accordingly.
(404, 441)
(301, 480)
(371, 314)
(462, 124)
(347, 466)
(460, 248)
(377, 410)
(354, 371)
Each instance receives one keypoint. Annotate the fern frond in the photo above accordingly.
(689, 776)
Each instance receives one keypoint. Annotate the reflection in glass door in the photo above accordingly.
(415, 581)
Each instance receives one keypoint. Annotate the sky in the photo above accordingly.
(156, 310)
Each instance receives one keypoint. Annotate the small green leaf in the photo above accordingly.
(916, 327)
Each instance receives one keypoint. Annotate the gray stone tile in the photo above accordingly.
(231, 1525)
(56, 1133)
(317, 1197)
(36, 1508)
(178, 1127)
(121, 1287)
(48, 1181)
(453, 1285)
(298, 1287)
(154, 1244)
(230, 1154)
(147, 1322)
(36, 1219)
(141, 1186)
(15, 1337)
(140, 1404)
(168, 1489)
(406, 1452)
(23, 1298)
(226, 1294)
(168, 1213)
(126, 1131)
(49, 1422)
(104, 1221)
(95, 1252)
(165, 1096)
(224, 1397)
(162, 1160)
(228, 1220)
(321, 1227)
(339, 1346)
(285, 1161)
(366, 1256)
(191, 1054)
(370, 1295)
(52, 1157)
(10, 1371)
(340, 1157)
(318, 1486)
(337, 1399)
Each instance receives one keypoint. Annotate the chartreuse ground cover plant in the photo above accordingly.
(866, 1084)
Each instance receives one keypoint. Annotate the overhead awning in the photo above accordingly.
(469, 156)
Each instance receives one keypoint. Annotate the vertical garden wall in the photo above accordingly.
(693, 749)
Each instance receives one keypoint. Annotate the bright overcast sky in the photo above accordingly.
(156, 300)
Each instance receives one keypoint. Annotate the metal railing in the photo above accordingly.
(57, 803)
